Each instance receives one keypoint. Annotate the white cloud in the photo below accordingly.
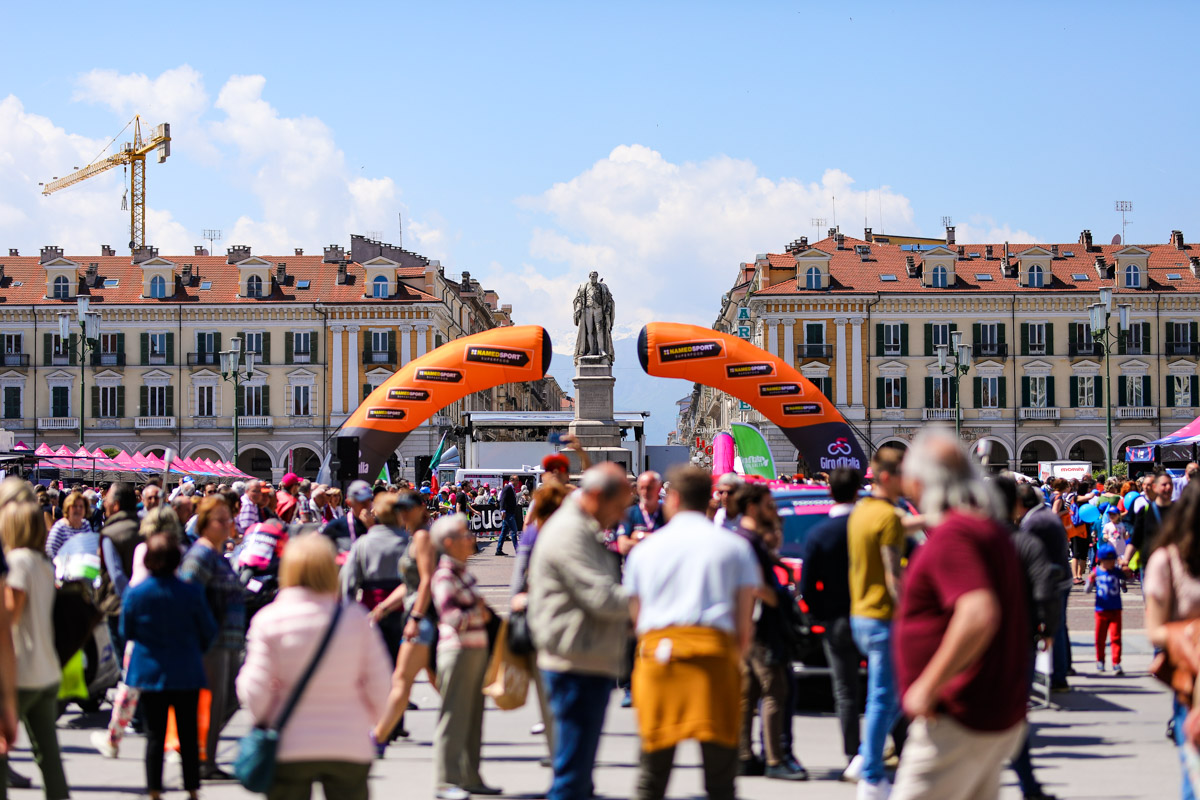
(984, 229)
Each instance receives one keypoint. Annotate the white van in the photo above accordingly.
(496, 478)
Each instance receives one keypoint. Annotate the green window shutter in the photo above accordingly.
(1000, 333)
(170, 401)
(200, 343)
(121, 344)
(266, 397)
(1024, 338)
(287, 347)
(217, 343)
(239, 402)
(953, 328)
(1121, 343)
(977, 389)
(314, 339)
(367, 390)
(879, 343)
(1099, 393)
(928, 390)
(120, 401)
(879, 393)
(47, 348)
(1121, 391)
(1169, 331)
(1194, 380)
(904, 338)
(73, 348)
(904, 391)
(1146, 338)
(1074, 392)
(1170, 391)
(1050, 392)
(266, 348)
(170, 348)
(929, 339)
(145, 339)
(143, 400)
(1146, 400)
(976, 336)
(366, 341)
(1024, 392)
(391, 347)
(1049, 338)
(1003, 386)
(1072, 333)
(95, 402)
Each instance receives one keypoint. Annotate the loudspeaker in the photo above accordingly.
(347, 456)
(422, 468)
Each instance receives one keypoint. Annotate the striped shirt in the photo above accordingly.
(59, 534)
(205, 567)
(248, 515)
(462, 623)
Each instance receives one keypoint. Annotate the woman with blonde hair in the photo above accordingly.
(73, 522)
(29, 599)
(325, 739)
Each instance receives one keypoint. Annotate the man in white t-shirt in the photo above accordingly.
(692, 587)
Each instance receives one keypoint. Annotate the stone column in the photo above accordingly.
(339, 405)
(789, 349)
(840, 379)
(422, 339)
(856, 389)
(770, 338)
(355, 359)
(405, 335)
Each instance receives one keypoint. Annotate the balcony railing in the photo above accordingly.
(15, 359)
(60, 359)
(154, 423)
(1077, 349)
(1183, 348)
(379, 356)
(989, 350)
(302, 358)
(58, 423)
(1039, 413)
(108, 359)
(256, 422)
(1137, 412)
(931, 414)
(203, 359)
(814, 351)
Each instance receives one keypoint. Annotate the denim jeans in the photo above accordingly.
(578, 703)
(508, 528)
(1022, 762)
(1181, 712)
(1061, 654)
(873, 637)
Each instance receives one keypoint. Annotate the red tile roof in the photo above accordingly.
(322, 278)
(849, 273)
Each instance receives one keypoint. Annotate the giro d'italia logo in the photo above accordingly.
(839, 447)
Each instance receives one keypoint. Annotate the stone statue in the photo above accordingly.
(594, 318)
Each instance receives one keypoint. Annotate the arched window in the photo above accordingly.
(379, 286)
(812, 279)
(1133, 277)
(939, 277)
(1037, 278)
(254, 286)
(61, 288)
(158, 286)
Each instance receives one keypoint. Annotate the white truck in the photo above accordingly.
(1071, 470)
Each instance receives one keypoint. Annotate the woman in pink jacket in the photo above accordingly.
(326, 740)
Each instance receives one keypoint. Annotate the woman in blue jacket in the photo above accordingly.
(171, 626)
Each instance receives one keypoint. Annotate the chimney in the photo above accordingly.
(236, 253)
(333, 254)
(49, 253)
(987, 251)
(1085, 239)
(962, 252)
(1101, 267)
(199, 250)
(868, 235)
(280, 272)
(145, 254)
(341, 273)
(1177, 239)
(93, 268)
(185, 275)
(466, 281)
(1, 272)
(106, 250)
(910, 266)
(1054, 250)
(949, 235)
(864, 251)
(841, 241)
(832, 233)
(299, 251)
(1195, 263)
(14, 252)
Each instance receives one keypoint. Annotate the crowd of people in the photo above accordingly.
(316, 613)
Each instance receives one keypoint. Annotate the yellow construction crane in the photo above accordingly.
(132, 154)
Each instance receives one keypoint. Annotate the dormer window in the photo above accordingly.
(379, 287)
(158, 287)
(254, 286)
(1036, 277)
(812, 278)
(1133, 277)
(939, 277)
(62, 288)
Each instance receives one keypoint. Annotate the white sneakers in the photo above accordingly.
(452, 793)
(101, 742)
(874, 791)
(853, 773)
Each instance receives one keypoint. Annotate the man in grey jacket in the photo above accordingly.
(579, 617)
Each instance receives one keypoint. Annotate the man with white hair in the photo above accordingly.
(724, 490)
(962, 642)
(251, 511)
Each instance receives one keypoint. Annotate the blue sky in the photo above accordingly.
(663, 143)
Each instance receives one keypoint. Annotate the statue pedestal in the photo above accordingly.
(594, 426)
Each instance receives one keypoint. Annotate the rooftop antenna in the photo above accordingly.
(833, 200)
(400, 225)
(376, 235)
(818, 223)
(1123, 206)
(879, 197)
(947, 222)
(213, 235)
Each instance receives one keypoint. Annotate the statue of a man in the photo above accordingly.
(594, 318)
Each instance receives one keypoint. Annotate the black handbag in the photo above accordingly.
(520, 639)
(255, 764)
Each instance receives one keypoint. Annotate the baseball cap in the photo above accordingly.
(360, 492)
(1114, 510)
(290, 479)
(1106, 551)
(556, 462)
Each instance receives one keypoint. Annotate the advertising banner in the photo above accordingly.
(426, 385)
(773, 388)
(754, 451)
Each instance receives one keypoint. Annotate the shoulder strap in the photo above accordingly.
(290, 706)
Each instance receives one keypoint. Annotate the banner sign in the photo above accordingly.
(754, 451)
(771, 386)
(1143, 453)
(424, 386)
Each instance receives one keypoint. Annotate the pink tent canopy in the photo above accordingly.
(43, 450)
(20, 446)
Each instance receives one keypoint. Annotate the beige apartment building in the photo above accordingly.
(325, 330)
(863, 319)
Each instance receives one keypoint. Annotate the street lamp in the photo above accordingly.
(89, 326)
(1101, 314)
(959, 367)
(231, 370)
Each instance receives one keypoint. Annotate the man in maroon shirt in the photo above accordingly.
(960, 634)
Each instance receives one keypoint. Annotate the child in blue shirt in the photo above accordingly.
(1108, 584)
